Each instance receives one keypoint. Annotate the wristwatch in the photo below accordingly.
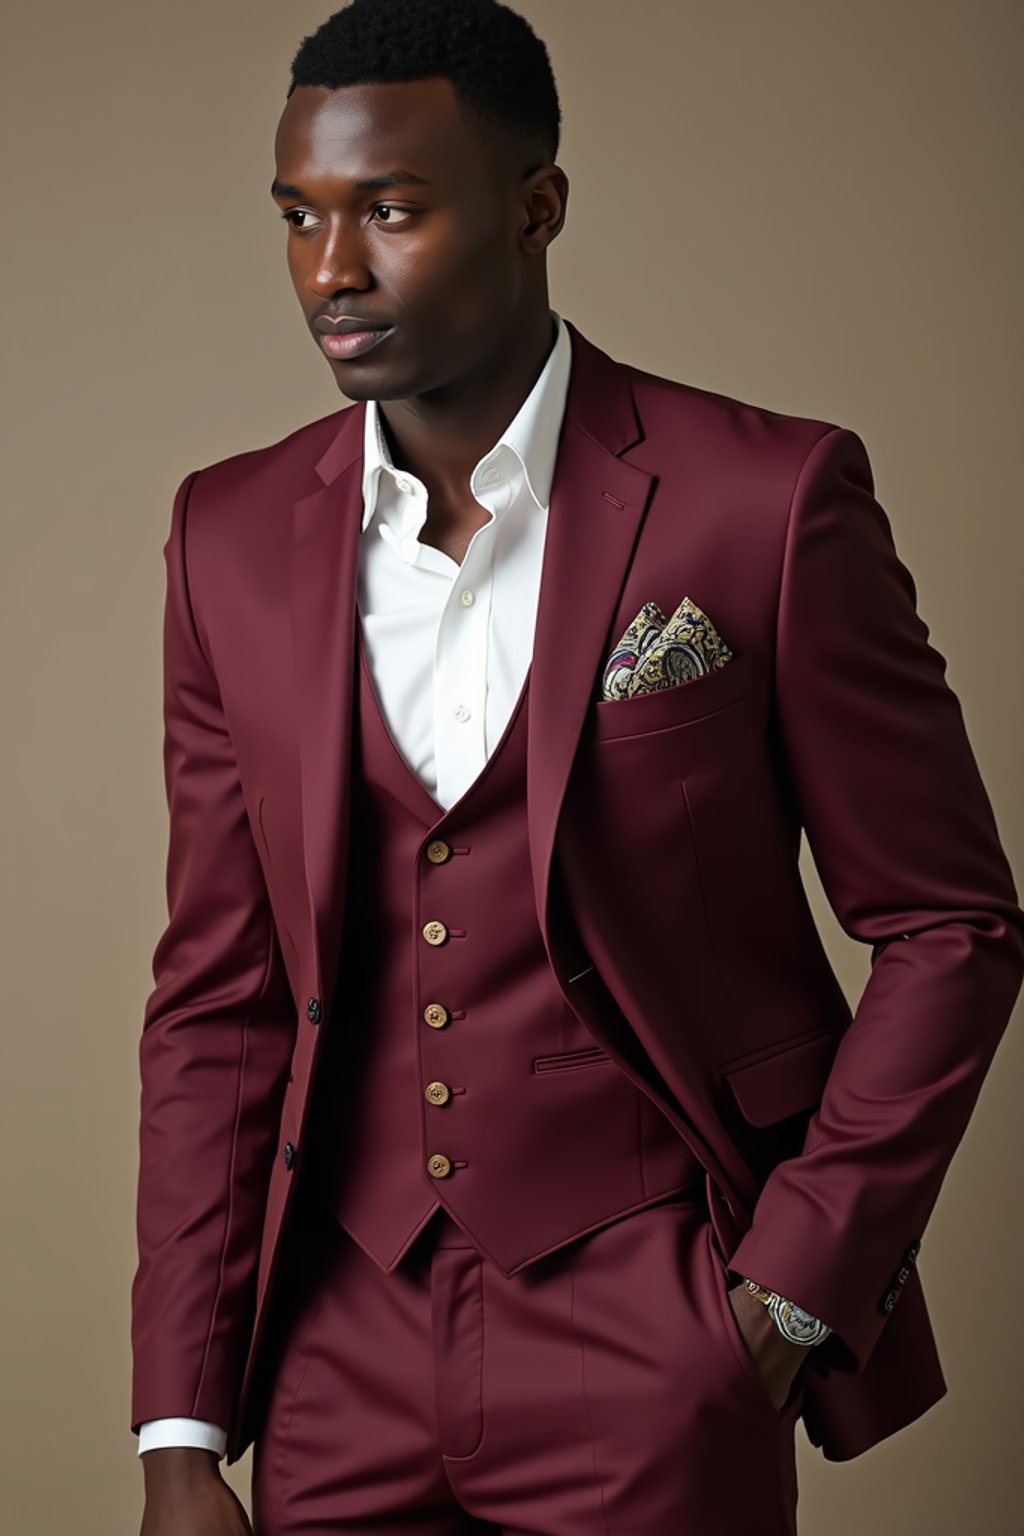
(797, 1325)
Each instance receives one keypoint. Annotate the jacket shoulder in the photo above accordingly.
(235, 510)
(290, 459)
(668, 406)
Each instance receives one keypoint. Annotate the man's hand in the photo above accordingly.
(776, 1358)
(186, 1496)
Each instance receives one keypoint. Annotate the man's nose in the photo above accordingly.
(340, 261)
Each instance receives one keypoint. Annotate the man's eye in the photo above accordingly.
(390, 215)
(293, 213)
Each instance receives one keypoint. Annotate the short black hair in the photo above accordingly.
(498, 66)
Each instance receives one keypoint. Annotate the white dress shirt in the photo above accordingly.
(448, 644)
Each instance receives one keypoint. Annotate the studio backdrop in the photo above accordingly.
(811, 205)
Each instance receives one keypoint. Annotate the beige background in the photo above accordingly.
(812, 206)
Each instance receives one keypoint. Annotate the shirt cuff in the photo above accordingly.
(158, 1434)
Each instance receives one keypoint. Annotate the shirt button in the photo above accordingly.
(437, 1093)
(466, 598)
(438, 852)
(436, 1015)
(435, 933)
(461, 712)
(490, 476)
(402, 483)
(438, 1166)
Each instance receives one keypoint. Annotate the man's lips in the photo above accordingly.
(352, 343)
(348, 325)
(349, 336)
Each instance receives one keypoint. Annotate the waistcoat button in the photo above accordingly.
(435, 933)
(438, 1166)
(437, 1093)
(289, 1154)
(436, 1015)
(438, 852)
(313, 1010)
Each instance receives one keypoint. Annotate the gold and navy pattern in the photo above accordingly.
(657, 652)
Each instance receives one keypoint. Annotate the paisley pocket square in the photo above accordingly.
(656, 652)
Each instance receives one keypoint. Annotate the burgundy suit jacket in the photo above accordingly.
(664, 838)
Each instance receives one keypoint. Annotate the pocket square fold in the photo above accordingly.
(656, 652)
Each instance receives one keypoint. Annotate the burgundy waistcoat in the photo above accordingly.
(454, 1072)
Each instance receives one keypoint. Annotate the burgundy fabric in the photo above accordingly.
(603, 1391)
(580, 1144)
(664, 835)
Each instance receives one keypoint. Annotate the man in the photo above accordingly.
(510, 1159)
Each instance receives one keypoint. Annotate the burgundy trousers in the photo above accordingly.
(605, 1390)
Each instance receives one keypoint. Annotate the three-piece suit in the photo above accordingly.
(496, 1101)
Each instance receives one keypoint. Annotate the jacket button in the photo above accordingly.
(889, 1300)
(438, 852)
(438, 1166)
(313, 1010)
(435, 932)
(437, 1093)
(436, 1015)
(289, 1154)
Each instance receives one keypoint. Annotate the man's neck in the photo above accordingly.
(441, 440)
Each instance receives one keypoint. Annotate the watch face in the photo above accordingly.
(799, 1325)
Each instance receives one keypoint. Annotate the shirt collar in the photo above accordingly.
(532, 434)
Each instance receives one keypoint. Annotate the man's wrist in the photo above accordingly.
(178, 1466)
(776, 1359)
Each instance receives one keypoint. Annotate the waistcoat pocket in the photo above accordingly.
(590, 1055)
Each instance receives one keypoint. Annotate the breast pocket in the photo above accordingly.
(666, 708)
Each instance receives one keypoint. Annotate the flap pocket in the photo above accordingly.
(786, 1080)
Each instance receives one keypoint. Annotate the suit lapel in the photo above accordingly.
(324, 571)
(598, 501)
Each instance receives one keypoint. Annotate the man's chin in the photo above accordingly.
(366, 388)
(364, 384)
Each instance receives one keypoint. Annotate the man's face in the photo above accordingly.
(429, 255)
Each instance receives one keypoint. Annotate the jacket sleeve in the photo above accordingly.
(904, 840)
(214, 1052)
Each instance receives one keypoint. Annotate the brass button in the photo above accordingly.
(437, 1093)
(438, 1166)
(438, 852)
(435, 933)
(436, 1015)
